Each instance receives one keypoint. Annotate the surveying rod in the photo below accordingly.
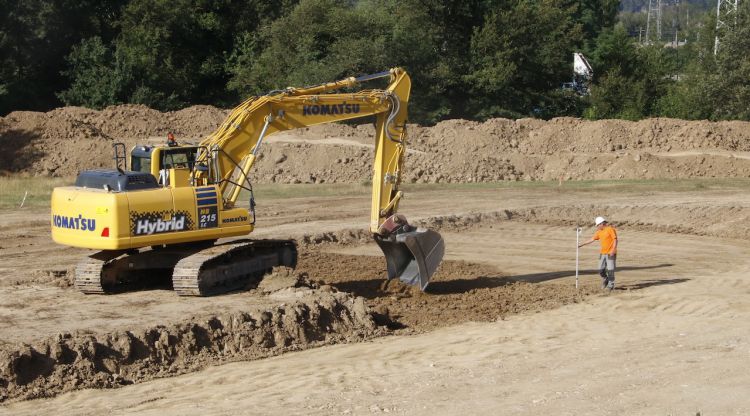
(578, 234)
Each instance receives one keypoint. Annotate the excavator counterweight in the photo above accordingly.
(168, 211)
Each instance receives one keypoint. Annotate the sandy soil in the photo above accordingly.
(674, 341)
(502, 330)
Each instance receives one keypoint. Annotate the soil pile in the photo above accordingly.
(310, 317)
(65, 141)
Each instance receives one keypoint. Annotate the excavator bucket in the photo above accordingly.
(412, 256)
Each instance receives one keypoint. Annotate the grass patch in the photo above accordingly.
(12, 190)
(39, 189)
(283, 191)
(622, 185)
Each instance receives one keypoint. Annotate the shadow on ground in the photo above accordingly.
(649, 283)
(365, 276)
(543, 277)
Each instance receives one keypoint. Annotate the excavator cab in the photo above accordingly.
(171, 165)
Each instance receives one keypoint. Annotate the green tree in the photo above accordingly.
(715, 87)
(629, 81)
(322, 40)
(614, 49)
(168, 53)
(96, 81)
(521, 55)
(594, 16)
(169, 50)
(468, 59)
(35, 37)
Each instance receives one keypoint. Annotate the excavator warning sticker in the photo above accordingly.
(208, 217)
(147, 223)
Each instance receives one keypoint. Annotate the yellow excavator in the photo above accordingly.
(168, 212)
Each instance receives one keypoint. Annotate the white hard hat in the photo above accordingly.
(599, 220)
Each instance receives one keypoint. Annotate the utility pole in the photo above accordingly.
(678, 26)
(726, 19)
(653, 21)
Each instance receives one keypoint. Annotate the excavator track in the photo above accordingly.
(195, 270)
(228, 267)
(89, 272)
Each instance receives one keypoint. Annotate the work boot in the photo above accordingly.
(605, 283)
(611, 285)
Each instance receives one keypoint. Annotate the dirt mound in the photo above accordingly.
(74, 361)
(66, 140)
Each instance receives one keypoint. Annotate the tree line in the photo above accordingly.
(472, 59)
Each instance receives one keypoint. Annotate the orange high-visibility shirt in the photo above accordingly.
(607, 237)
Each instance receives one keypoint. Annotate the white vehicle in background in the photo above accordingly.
(582, 75)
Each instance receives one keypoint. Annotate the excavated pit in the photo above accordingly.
(330, 298)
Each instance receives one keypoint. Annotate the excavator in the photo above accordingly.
(177, 206)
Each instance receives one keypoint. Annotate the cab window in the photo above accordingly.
(182, 158)
(141, 164)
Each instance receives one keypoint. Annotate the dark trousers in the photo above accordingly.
(607, 267)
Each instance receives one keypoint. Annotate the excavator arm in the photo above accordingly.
(230, 153)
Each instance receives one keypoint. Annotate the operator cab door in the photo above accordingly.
(140, 159)
(158, 161)
(175, 165)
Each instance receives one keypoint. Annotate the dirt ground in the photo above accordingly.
(502, 329)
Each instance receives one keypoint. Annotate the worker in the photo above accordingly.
(607, 236)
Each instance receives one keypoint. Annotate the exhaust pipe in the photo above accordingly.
(412, 255)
